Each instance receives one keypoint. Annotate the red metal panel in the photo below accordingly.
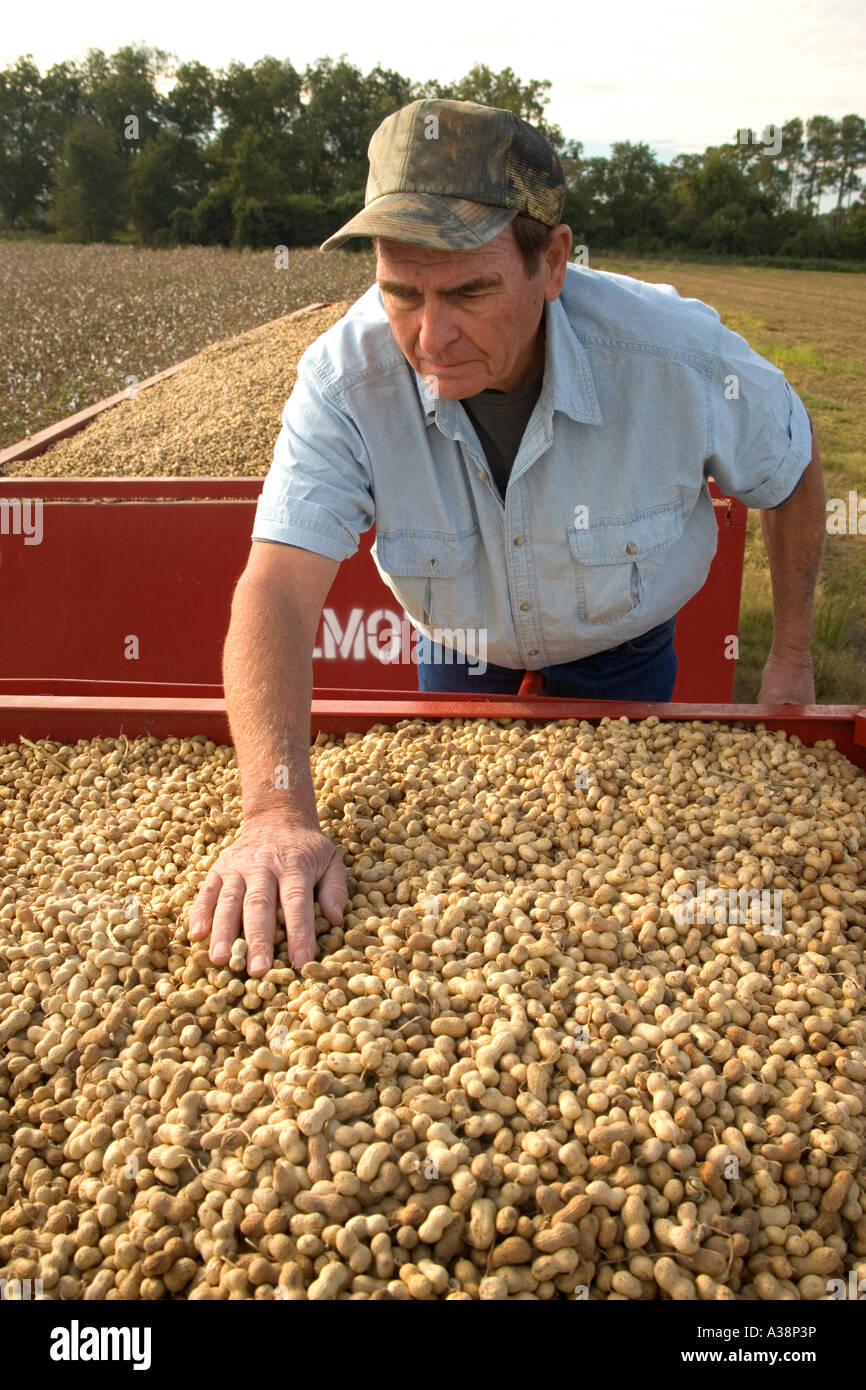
(160, 690)
(707, 621)
(120, 591)
(162, 572)
(68, 718)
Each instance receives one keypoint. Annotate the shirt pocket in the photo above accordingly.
(434, 575)
(617, 559)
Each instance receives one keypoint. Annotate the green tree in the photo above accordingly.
(89, 186)
(850, 156)
(259, 165)
(264, 97)
(35, 113)
(851, 234)
(822, 134)
(167, 174)
(584, 210)
(212, 219)
(341, 110)
(792, 156)
(572, 161)
(121, 93)
(254, 152)
(503, 89)
(717, 204)
(23, 171)
(766, 169)
(634, 190)
(191, 103)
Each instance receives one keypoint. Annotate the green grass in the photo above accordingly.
(835, 615)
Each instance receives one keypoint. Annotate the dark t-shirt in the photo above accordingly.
(500, 419)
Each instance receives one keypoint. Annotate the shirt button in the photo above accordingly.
(483, 477)
(631, 548)
(518, 540)
(533, 651)
(525, 607)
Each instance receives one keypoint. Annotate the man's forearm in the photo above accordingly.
(267, 674)
(794, 536)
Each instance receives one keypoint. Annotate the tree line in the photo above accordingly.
(138, 146)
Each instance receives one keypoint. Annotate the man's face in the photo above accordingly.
(470, 320)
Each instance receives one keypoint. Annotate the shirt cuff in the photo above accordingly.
(777, 489)
(304, 536)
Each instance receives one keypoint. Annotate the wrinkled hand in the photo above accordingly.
(273, 859)
(788, 680)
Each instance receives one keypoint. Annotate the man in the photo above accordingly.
(533, 440)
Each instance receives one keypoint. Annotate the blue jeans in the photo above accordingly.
(643, 669)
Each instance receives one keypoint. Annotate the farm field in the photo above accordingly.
(80, 322)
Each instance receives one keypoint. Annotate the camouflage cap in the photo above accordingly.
(453, 174)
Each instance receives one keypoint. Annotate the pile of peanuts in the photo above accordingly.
(513, 1071)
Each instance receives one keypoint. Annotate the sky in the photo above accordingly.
(677, 74)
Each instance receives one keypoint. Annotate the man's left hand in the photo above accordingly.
(788, 680)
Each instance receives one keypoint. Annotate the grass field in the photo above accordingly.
(80, 321)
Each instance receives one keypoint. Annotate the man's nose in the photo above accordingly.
(436, 330)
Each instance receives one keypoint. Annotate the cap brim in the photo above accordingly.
(426, 219)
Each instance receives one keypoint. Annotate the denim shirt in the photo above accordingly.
(607, 527)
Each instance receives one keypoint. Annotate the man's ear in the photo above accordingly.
(556, 259)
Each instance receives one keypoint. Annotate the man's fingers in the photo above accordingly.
(260, 918)
(296, 896)
(201, 916)
(333, 895)
(245, 896)
(227, 918)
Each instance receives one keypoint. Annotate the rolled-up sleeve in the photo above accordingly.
(760, 433)
(317, 494)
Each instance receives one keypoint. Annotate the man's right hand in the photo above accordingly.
(275, 860)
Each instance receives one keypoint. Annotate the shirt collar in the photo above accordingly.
(568, 385)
